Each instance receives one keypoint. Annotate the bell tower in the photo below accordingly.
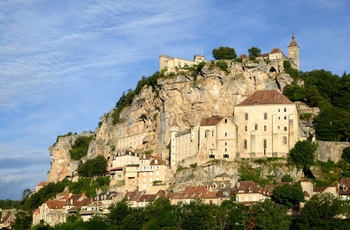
(293, 52)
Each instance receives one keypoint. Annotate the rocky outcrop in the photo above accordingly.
(184, 97)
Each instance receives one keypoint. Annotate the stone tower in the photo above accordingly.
(174, 129)
(293, 52)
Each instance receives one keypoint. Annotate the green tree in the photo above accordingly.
(118, 212)
(236, 214)
(346, 154)
(302, 155)
(224, 53)
(321, 212)
(26, 193)
(93, 167)
(267, 215)
(288, 195)
(80, 147)
(23, 220)
(197, 215)
(294, 92)
(254, 52)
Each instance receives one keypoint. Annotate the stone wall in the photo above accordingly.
(328, 150)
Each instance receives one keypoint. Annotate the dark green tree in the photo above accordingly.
(302, 155)
(236, 214)
(321, 212)
(224, 53)
(294, 92)
(346, 154)
(254, 52)
(117, 214)
(23, 220)
(288, 195)
(80, 147)
(267, 215)
(93, 167)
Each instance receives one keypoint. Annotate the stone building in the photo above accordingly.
(212, 138)
(152, 173)
(171, 63)
(267, 125)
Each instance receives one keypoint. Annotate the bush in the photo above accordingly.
(287, 178)
(222, 65)
(93, 167)
(346, 154)
(80, 147)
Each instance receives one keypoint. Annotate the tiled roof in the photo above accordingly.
(147, 197)
(157, 160)
(193, 192)
(319, 189)
(42, 183)
(276, 50)
(247, 187)
(293, 42)
(210, 121)
(55, 204)
(264, 97)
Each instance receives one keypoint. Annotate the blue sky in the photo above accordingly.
(63, 64)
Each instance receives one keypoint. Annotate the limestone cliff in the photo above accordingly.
(183, 97)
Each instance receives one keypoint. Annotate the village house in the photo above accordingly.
(152, 173)
(8, 219)
(56, 211)
(344, 189)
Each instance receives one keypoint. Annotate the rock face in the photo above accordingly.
(184, 97)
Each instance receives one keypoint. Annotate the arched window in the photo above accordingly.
(285, 128)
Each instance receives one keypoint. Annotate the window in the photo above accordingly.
(265, 116)
(256, 126)
(225, 143)
(225, 134)
(265, 144)
(212, 133)
(245, 144)
(279, 110)
(226, 156)
(246, 116)
(285, 109)
(285, 129)
(285, 117)
(265, 128)
(284, 139)
(225, 149)
(225, 120)
(246, 128)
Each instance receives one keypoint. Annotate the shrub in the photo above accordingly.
(222, 65)
(80, 147)
(93, 167)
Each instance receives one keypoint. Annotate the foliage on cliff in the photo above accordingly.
(127, 97)
(93, 167)
(332, 94)
(80, 147)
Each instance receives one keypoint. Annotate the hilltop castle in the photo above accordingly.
(276, 58)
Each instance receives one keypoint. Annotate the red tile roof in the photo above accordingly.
(210, 121)
(42, 183)
(264, 97)
(55, 204)
(247, 187)
(157, 160)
